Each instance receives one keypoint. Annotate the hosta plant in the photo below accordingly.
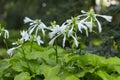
(30, 59)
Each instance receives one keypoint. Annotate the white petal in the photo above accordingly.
(43, 32)
(70, 32)
(64, 40)
(39, 41)
(89, 25)
(43, 25)
(52, 41)
(31, 29)
(82, 11)
(99, 25)
(108, 18)
(75, 41)
(10, 51)
(51, 34)
(25, 35)
(81, 26)
(26, 20)
(6, 34)
(36, 32)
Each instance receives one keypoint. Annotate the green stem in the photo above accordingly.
(31, 46)
(72, 47)
(24, 56)
(56, 53)
(4, 40)
(55, 48)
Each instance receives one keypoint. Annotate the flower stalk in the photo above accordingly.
(5, 42)
(24, 57)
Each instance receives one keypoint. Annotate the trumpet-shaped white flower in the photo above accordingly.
(11, 50)
(93, 16)
(27, 20)
(108, 18)
(25, 35)
(39, 41)
(35, 24)
(70, 34)
(62, 31)
(4, 33)
(56, 32)
(82, 26)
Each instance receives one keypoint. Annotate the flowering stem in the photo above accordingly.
(4, 40)
(25, 59)
(31, 46)
(55, 48)
(72, 46)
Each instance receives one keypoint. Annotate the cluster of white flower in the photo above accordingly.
(27, 35)
(67, 30)
(4, 32)
(71, 26)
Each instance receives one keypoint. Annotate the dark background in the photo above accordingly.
(107, 43)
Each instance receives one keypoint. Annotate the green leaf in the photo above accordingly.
(94, 59)
(4, 64)
(105, 76)
(117, 68)
(52, 78)
(23, 76)
(113, 60)
(19, 65)
(34, 65)
(71, 77)
(52, 71)
(42, 69)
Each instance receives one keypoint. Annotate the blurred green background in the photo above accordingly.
(107, 43)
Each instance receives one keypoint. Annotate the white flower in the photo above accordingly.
(64, 39)
(108, 18)
(56, 32)
(26, 20)
(70, 34)
(75, 40)
(6, 34)
(52, 41)
(25, 35)
(41, 26)
(35, 24)
(89, 24)
(39, 41)
(94, 17)
(10, 51)
(82, 26)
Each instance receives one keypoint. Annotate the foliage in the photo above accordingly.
(30, 61)
(40, 64)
